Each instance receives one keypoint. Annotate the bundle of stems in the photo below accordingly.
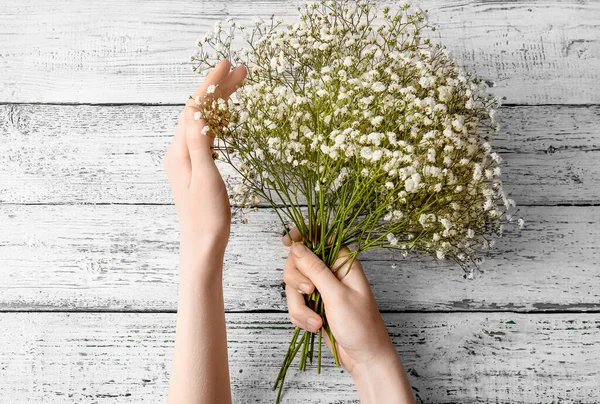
(305, 345)
(362, 135)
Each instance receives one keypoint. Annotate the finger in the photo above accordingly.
(220, 72)
(301, 315)
(178, 146)
(350, 272)
(294, 278)
(193, 125)
(233, 81)
(296, 236)
(215, 76)
(198, 143)
(176, 161)
(314, 269)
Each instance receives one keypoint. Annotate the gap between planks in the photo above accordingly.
(523, 205)
(66, 258)
(166, 311)
(181, 104)
(91, 155)
(456, 358)
(532, 52)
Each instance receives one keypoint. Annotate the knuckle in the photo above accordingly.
(190, 108)
(317, 267)
(287, 277)
(293, 312)
(296, 322)
(293, 278)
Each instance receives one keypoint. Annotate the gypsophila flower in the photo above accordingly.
(379, 87)
(377, 130)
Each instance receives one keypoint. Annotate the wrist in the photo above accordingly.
(201, 247)
(382, 380)
(387, 359)
(200, 260)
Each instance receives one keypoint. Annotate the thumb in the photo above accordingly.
(314, 269)
(348, 269)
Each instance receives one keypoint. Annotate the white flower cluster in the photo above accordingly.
(374, 118)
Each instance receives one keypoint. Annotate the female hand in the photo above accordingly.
(200, 375)
(351, 310)
(200, 194)
(363, 344)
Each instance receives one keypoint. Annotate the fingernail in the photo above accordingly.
(312, 322)
(298, 249)
(304, 288)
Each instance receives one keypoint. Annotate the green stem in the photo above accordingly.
(319, 354)
(287, 356)
(285, 372)
(333, 348)
(305, 344)
(312, 345)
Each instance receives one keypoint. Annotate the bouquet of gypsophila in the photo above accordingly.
(361, 133)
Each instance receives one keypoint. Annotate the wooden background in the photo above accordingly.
(90, 93)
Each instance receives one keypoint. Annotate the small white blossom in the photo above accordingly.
(405, 126)
(379, 87)
(445, 93)
(427, 81)
(477, 172)
(377, 120)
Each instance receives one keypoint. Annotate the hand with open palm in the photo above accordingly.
(200, 194)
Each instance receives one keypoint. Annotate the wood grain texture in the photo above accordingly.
(125, 258)
(92, 154)
(113, 51)
(89, 240)
(450, 358)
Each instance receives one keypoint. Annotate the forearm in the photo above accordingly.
(200, 367)
(384, 382)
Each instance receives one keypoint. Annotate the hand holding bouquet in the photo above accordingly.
(361, 133)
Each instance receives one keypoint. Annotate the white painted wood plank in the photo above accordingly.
(125, 258)
(91, 154)
(464, 358)
(113, 51)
